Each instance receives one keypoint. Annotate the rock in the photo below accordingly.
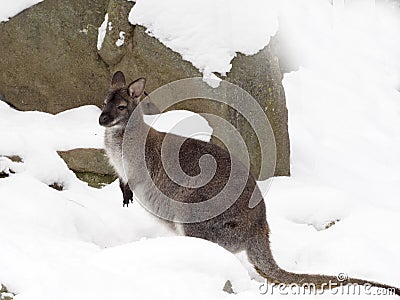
(96, 180)
(8, 166)
(280, 49)
(3, 98)
(57, 186)
(228, 287)
(4, 172)
(110, 52)
(260, 75)
(147, 57)
(89, 165)
(87, 160)
(15, 158)
(50, 63)
(5, 294)
(48, 56)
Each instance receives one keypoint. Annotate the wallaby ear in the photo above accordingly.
(136, 88)
(118, 80)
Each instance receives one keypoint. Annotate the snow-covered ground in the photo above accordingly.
(344, 123)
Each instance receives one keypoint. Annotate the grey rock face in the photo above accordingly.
(118, 24)
(48, 56)
(260, 75)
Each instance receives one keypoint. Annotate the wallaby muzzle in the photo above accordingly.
(105, 120)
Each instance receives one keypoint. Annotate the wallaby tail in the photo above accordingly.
(260, 256)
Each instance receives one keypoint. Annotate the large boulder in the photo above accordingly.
(50, 63)
(48, 56)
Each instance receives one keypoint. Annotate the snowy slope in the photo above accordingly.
(82, 243)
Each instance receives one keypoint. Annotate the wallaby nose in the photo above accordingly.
(104, 119)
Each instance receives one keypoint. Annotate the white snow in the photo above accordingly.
(121, 39)
(181, 122)
(102, 31)
(344, 126)
(7, 166)
(9, 9)
(208, 33)
(211, 79)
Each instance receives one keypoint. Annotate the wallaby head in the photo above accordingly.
(121, 100)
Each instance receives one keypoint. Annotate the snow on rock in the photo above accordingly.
(121, 39)
(102, 31)
(208, 33)
(211, 79)
(36, 136)
(7, 166)
(11, 8)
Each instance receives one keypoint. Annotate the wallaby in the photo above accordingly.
(238, 228)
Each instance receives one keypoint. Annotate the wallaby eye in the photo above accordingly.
(121, 107)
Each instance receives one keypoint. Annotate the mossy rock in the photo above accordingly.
(89, 160)
(90, 165)
(95, 180)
